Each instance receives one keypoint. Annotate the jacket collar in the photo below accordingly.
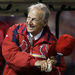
(36, 37)
(46, 35)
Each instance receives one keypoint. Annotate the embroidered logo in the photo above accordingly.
(24, 46)
(43, 50)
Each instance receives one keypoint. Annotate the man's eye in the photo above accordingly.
(33, 19)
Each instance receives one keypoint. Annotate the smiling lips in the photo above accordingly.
(31, 25)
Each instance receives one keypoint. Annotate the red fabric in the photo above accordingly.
(1, 37)
(18, 58)
(1, 58)
(65, 44)
(3, 28)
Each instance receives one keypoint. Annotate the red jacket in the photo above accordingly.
(17, 51)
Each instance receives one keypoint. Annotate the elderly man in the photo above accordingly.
(28, 47)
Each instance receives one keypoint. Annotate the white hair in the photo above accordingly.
(43, 7)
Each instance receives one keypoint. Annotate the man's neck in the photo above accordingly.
(37, 36)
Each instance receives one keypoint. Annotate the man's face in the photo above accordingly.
(35, 21)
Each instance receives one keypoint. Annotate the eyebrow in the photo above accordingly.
(32, 18)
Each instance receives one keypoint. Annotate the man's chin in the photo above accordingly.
(30, 30)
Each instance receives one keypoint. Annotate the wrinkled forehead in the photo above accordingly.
(36, 13)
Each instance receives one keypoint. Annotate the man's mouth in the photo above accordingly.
(31, 26)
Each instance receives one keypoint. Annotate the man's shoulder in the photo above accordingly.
(52, 38)
(17, 26)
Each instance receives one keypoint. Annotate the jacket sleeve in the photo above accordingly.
(1, 62)
(60, 67)
(1, 57)
(12, 54)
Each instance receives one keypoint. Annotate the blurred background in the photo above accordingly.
(61, 21)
